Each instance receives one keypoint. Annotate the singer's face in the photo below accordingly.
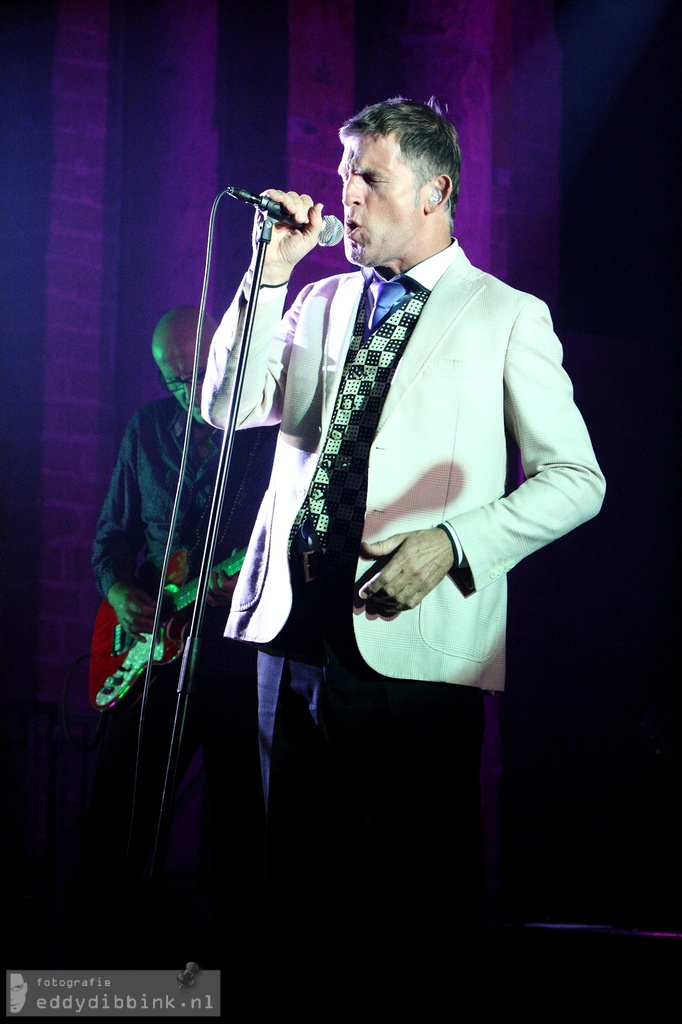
(385, 223)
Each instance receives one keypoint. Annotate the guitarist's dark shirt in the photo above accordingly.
(132, 531)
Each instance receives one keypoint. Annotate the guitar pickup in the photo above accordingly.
(121, 641)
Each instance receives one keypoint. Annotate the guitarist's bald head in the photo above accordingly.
(173, 345)
(174, 337)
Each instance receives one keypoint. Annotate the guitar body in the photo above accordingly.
(115, 673)
(118, 661)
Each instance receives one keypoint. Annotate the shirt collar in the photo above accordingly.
(427, 273)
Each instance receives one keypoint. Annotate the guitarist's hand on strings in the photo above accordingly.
(134, 609)
(221, 588)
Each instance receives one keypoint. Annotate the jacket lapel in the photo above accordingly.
(456, 288)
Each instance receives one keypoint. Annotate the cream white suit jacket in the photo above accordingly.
(483, 365)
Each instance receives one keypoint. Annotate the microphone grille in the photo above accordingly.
(332, 231)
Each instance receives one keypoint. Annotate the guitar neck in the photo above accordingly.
(187, 595)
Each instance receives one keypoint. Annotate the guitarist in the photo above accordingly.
(129, 548)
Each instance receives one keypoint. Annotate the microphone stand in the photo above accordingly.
(192, 650)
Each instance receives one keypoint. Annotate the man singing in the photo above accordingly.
(375, 583)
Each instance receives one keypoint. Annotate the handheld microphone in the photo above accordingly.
(332, 228)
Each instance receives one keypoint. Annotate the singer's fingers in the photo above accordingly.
(312, 218)
(292, 202)
(315, 214)
(288, 244)
(299, 206)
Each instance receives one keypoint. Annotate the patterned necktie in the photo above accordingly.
(333, 512)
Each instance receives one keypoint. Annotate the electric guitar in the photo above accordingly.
(118, 661)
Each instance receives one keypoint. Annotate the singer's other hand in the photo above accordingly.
(288, 245)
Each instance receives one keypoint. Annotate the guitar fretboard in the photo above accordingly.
(187, 594)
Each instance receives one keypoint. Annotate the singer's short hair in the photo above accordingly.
(428, 142)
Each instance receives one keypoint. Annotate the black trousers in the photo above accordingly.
(374, 822)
